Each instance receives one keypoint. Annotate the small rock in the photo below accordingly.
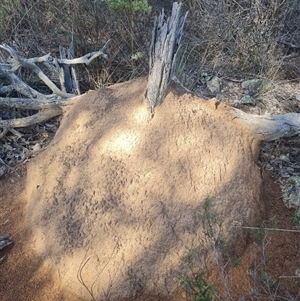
(295, 152)
(214, 85)
(248, 100)
(298, 96)
(36, 147)
(3, 170)
(205, 77)
(285, 158)
(252, 85)
(291, 192)
(256, 86)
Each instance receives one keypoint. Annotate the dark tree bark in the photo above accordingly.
(67, 75)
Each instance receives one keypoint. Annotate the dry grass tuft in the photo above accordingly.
(239, 38)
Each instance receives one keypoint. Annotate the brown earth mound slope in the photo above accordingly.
(116, 200)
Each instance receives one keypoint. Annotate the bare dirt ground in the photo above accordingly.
(263, 264)
(280, 262)
(23, 276)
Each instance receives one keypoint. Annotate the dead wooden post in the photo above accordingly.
(67, 73)
(166, 38)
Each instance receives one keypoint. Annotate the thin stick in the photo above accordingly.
(269, 229)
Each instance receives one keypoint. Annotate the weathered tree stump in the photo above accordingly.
(166, 38)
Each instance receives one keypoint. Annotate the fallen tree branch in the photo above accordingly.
(6, 89)
(266, 229)
(40, 116)
(86, 59)
(15, 57)
(269, 127)
(18, 62)
(48, 105)
(27, 103)
(20, 85)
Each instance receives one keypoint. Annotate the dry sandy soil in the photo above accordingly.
(113, 208)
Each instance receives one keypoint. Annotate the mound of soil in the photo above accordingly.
(115, 203)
